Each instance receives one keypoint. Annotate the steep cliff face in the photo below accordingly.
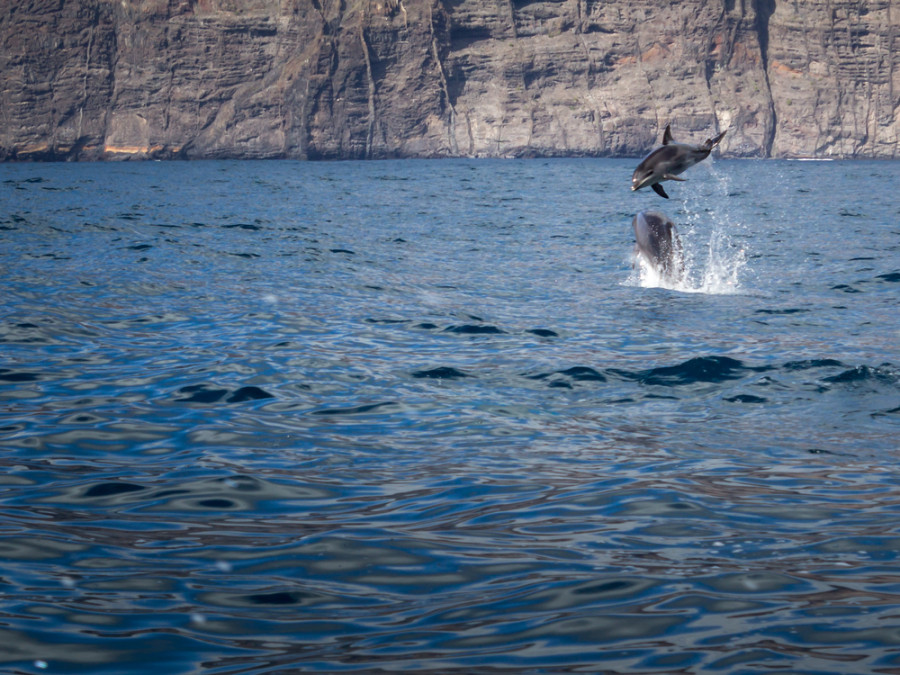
(87, 79)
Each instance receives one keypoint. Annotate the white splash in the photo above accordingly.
(713, 262)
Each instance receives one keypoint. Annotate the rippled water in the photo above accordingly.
(425, 416)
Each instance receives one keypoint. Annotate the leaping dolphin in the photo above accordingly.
(669, 160)
(658, 244)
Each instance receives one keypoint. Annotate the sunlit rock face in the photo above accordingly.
(319, 79)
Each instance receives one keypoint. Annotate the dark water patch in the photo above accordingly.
(808, 364)
(583, 374)
(792, 310)
(130, 215)
(474, 329)
(440, 373)
(205, 393)
(388, 322)
(566, 377)
(427, 325)
(884, 374)
(245, 255)
(243, 226)
(249, 393)
(111, 489)
(892, 277)
(7, 375)
(377, 408)
(700, 369)
(543, 332)
(746, 398)
(218, 503)
(342, 250)
(845, 288)
(274, 599)
(139, 247)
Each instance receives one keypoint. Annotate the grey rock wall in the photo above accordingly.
(312, 79)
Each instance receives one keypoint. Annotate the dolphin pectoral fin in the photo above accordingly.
(667, 136)
(658, 189)
(669, 176)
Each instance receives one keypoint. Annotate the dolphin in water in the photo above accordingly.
(669, 160)
(658, 244)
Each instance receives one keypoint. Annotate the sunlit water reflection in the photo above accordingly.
(423, 416)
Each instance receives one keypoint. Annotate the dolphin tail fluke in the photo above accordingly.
(658, 189)
(713, 142)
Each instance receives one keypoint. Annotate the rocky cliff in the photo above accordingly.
(88, 79)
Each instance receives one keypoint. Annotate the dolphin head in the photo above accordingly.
(643, 176)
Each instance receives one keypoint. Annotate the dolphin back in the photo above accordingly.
(659, 244)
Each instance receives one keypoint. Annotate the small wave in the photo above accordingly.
(565, 378)
(7, 375)
(746, 398)
(813, 363)
(111, 489)
(883, 374)
(388, 406)
(474, 329)
(699, 369)
(204, 393)
(789, 310)
(440, 373)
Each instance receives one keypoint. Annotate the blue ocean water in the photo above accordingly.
(420, 416)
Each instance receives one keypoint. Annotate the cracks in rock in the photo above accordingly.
(582, 12)
(370, 132)
(764, 10)
(640, 63)
(512, 18)
(890, 51)
(87, 70)
(454, 146)
(709, 65)
(524, 80)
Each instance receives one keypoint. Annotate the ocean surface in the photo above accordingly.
(429, 416)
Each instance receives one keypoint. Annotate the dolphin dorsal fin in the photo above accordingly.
(667, 136)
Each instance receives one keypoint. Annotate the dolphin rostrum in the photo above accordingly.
(669, 160)
(658, 244)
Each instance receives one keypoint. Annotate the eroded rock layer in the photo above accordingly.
(91, 79)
